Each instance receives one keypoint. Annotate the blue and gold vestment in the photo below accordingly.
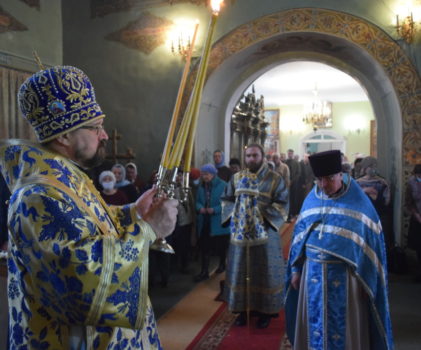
(76, 266)
(256, 205)
(338, 241)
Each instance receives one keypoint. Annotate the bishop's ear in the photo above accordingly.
(64, 139)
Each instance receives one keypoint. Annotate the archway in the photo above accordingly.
(345, 42)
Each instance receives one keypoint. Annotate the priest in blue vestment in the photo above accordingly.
(255, 203)
(336, 281)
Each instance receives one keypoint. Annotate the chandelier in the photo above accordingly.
(318, 113)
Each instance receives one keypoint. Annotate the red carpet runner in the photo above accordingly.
(219, 333)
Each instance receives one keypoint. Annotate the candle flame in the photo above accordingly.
(216, 6)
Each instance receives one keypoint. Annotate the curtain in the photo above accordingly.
(12, 124)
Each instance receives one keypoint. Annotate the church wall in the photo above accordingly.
(24, 29)
(137, 86)
(352, 121)
(347, 117)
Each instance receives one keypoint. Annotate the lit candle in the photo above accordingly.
(174, 118)
(189, 124)
(198, 96)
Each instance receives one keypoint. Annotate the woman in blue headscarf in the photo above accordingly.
(212, 236)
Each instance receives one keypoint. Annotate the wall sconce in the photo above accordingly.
(181, 46)
(355, 124)
(180, 37)
(406, 28)
(355, 130)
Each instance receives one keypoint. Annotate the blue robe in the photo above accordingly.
(334, 237)
(256, 206)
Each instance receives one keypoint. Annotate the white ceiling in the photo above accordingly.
(292, 83)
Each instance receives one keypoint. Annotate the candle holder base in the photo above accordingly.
(161, 245)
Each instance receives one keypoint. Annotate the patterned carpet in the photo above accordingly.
(214, 331)
(219, 332)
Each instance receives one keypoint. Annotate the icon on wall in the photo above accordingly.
(272, 130)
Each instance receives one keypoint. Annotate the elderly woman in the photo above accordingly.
(109, 192)
(123, 184)
(212, 236)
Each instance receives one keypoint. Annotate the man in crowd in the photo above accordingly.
(283, 157)
(224, 172)
(77, 268)
(281, 168)
(336, 285)
(306, 180)
(235, 165)
(294, 187)
(255, 203)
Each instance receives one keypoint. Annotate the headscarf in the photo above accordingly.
(106, 173)
(124, 181)
(133, 165)
(368, 162)
(222, 162)
(209, 168)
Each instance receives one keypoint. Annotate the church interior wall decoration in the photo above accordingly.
(101, 8)
(33, 3)
(145, 33)
(9, 23)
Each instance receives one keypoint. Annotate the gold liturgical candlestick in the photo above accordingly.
(173, 152)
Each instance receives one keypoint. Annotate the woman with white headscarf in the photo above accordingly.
(123, 184)
(109, 192)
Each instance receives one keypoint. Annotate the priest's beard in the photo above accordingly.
(95, 160)
(254, 167)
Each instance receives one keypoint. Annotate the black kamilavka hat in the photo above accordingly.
(326, 163)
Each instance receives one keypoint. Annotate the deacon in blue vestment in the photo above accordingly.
(255, 203)
(336, 282)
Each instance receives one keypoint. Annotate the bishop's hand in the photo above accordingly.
(159, 212)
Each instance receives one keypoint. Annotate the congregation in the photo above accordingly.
(122, 184)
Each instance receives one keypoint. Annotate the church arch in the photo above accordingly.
(344, 41)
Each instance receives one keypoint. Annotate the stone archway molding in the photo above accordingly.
(380, 46)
